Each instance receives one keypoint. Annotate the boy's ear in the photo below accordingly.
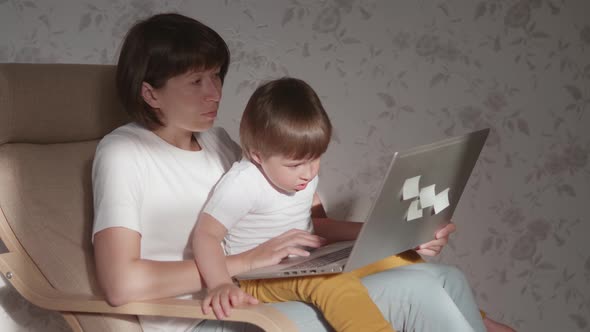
(149, 95)
(256, 157)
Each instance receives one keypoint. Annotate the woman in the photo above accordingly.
(151, 178)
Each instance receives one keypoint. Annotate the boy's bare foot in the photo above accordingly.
(493, 326)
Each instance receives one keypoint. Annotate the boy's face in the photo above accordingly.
(287, 174)
(189, 101)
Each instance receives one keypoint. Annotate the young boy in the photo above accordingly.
(284, 131)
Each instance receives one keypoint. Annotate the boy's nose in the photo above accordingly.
(308, 172)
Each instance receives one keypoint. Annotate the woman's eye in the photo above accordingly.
(197, 81)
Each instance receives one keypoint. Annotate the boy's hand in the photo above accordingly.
(223, 297)
(273, 251)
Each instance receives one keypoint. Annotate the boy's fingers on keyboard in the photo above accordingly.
(294, 251)
(292, 232)
(299, 240)
(311, 237)
(298, 234)
(305, 242)
(325, 259)
(317, 239)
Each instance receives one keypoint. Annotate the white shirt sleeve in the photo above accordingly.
(116, 186)
(234, 197)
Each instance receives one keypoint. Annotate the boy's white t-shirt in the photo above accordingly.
(253, 211)
(145, 184)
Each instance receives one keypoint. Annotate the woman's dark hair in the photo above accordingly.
(159, 48)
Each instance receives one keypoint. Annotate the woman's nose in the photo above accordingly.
(213, 91)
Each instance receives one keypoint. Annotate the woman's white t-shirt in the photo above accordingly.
(145, 184)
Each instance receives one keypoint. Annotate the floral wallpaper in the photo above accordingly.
(394, 74)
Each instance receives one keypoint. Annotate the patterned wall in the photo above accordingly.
(394, 74)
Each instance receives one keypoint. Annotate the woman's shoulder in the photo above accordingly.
(127, 132)
(218, 140)
(119, 152)
(123, 140)
(217, 134)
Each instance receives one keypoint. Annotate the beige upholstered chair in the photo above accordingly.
(51, 119)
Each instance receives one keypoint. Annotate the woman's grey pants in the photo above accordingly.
(418, 297)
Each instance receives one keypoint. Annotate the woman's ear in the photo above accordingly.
(150, 95)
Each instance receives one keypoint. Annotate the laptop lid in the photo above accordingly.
(418, 196)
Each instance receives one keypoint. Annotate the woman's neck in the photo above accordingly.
(180, 138)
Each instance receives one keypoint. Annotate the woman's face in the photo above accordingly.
(189, 101)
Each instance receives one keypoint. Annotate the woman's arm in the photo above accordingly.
(441, 238)
(125, 277)
(330, 229)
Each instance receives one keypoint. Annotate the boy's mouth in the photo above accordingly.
(301, 186)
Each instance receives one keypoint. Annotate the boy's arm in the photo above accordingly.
(332, 230)
(209, 255)
(210, 259)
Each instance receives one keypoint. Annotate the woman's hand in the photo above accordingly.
(276, 249)
(441, 238)
(223, 297)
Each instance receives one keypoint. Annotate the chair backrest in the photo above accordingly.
(51, 119)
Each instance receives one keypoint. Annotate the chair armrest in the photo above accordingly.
(23, 274)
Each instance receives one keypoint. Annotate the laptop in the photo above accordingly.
(417, 197)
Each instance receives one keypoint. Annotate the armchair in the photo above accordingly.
(51, 119)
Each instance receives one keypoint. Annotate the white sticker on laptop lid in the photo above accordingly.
(411, 188)
(427, 196)
(414, 212)
(441, 201)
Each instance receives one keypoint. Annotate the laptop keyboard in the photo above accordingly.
(323, 260)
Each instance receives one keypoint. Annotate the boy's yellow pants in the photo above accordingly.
(342, 298)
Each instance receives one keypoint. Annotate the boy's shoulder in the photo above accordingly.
(242, 179)
(244, 171)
